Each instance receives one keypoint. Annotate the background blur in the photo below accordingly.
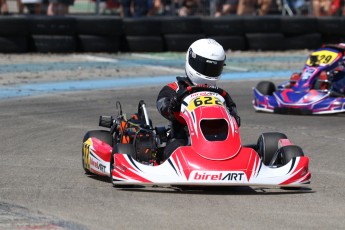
(215, 8)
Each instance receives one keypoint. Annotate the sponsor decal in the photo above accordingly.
(203, 93)
(307, 73)
(218, 176)
(98, 165)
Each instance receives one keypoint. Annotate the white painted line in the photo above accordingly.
(97, 59)
(170, 69)
(236, 68)
(148, 56)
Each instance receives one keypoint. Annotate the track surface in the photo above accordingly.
(43, 185)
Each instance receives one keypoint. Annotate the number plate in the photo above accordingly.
(324, 57)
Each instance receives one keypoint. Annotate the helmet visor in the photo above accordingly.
(204, 66)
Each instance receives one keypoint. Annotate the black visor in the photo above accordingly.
(204, 66)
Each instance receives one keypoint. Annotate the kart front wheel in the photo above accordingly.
(267, 145)
(287, 153)
(266, 87)
(101, 135)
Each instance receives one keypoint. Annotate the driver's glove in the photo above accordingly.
(238, 120)
(174, 106)
(233, 112)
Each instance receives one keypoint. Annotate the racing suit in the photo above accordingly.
(169, 108)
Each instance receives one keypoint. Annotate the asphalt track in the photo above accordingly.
(43, 186)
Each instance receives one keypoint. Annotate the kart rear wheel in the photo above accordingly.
(266, 87)
(267, 145)
(102, 135)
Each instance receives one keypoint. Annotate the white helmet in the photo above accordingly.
(204, 62)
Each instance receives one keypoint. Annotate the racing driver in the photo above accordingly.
(204, 64)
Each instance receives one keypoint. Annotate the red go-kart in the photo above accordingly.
(130, 152)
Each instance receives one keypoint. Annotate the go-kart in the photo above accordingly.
(131, 151)
(308, 92)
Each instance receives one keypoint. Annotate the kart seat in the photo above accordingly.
(322, 83)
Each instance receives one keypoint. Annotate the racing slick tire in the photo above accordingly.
(172, 146)
(267, 145)
(102, 135)
(266, 87)
(287, 153)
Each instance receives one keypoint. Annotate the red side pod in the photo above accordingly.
(127, 169)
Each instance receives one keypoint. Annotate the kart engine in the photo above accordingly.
(145, 147)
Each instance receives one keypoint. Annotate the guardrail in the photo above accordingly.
(65, 34)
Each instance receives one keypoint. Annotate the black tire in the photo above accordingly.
(52, 25)
(172, 146)
(231, 42)
(14, 26)
(267, 24)
(180, 42)
(265, 41)
(330, 25)
(332, 38)
(181, 25)
(289, 152)
(303, 41)
(145, 43)
(223, 26)
(298, 25)
(268, 145)
(266, 87)
(14, 44)
(102, 135)
(95, 43)
(100, 25)
(142, 26)
(54, 44)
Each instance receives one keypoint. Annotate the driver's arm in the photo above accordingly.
(231, 105)
(166, 100)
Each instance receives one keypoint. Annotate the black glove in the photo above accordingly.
(233, 112)
(174, 106)
(238, 120)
